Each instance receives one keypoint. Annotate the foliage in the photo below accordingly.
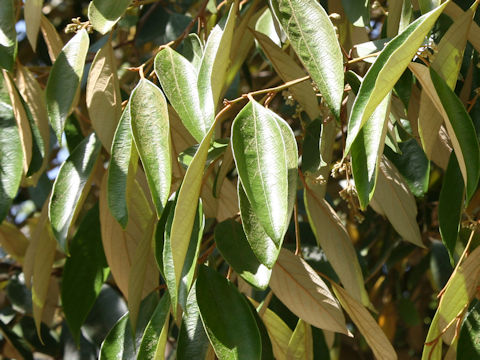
(328, 208)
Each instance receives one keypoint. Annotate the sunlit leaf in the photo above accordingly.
(8, 38)
(386, 70)
(302, 290)
(265, 25)
(52, 39)
(300, 345)
(69, 185)
(33, 13)
(104, 14)
(151, 133)
(455, 11)
(64, 81)
(227, 317)
(313, 37)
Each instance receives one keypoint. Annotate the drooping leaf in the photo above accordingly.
(375, 337)
(33, 14)
(120, 244)
(300, 345)
(265, 25)
(69, 186)
(8, 40)
(455, 11)
(123, 162)
(52, 39)
(84, 273)
(64, 81)
(260, 156)
(358, 12)
(227, 317)
(367, 150)
(103, 99)
(192, 339)
(104, 14)
(386, 70)
(450, 205)
(302, 290)
(267, 349)
(313, 37)
(151, 133)
(234, 247)
(178, 77)
(11, 152)
(192, 50)
(155, 334)
(468, 341)
(334, 240)
(393, 199)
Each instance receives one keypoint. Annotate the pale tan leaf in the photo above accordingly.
(394, 15)
(459, 291)
(447, 63)
(13, 241)
(181, 140)
(300, 346)
(373, 334)
(227, 201)
(393, 199)
(288, 70)
(302, 290)
(333, 238)
(22, 120)
(279, 332)
(136, 279)
(36, 234)
(52, 39)
(32, 13)
(120, 245)
(454, 11)
(51, 306)
(104, 102)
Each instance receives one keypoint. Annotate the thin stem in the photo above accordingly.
(361, 58)
(298, 250)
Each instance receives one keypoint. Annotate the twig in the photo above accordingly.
(361, 58)
(298, 250)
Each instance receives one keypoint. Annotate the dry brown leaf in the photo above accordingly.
(13, 241)
(32, 12)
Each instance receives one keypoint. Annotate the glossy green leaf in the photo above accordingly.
(64, 81)
(313, 37)
(462, 133)
(302, 290)
(469, 341)
(121, 343)
(151, 133)
(104, 14)
(450, 205)
(8, 39)
(69, 186)
(11, 152)
(358, 12)
(192, 339)
(386, 70)
(260, 156)
(227, 317)
(234, 247)
(84, 273)
(152, 346)
(267, 348)
(179, 294)
(123, 160)
(367, 150)
(178, 78)
(261, 244)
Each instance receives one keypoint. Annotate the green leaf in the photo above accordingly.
(64, 81)
(266, 26)
(123, 161)
(178, 78)
(313, 37)
(428, 5)
(17, 342)
(450, 205)
(267, 348)
(160, 235)
(358, 12)
(192, 339)
(8, 40)
(104, 14)
(69, 186)
(300, 345)
(192, 50)
(11, 152)
(216, 149)
(462, 133)
(179, 294)
(151, 133)
(84, 273)
(260, 156)
(152, 346)
(367, 150)
(469, 341)
(120, 343)
(227, 317)
(234, 247)
(386, 70)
